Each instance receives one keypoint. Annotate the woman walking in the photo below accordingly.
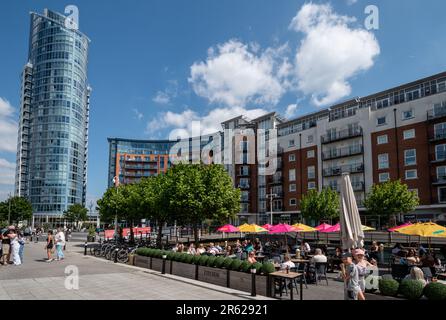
(15, 247)
(362, 264)
(49, 246)
(60, 243)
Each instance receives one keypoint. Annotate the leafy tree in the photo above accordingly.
(390, 198)
(76, 213)
(320, 205)
(202, 192)
(21, 209)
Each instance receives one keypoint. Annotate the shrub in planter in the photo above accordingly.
(388, 287)
(245, 266)
(211, 261)
(227, 263)
(182, 257)
(189, 258)
(235, 265)
(219, 262)
(411, 289)
(141, 251)
(196, 259)
(435, 291)
(203, 260)
(170, 255)
(258, 267)
(268, 268)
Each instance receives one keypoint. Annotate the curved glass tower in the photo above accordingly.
(53, 126)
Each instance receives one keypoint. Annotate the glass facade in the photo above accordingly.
(58, 113)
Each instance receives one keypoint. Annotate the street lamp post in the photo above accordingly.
(271, 196)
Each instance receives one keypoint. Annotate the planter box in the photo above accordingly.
(212, 275)
(242, 281)
(141, 261)
(378, 296)
(157, 265)
(185, 270)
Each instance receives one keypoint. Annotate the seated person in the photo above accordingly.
(400, 258)
(427, 260)
(412, 259)
(229, 252)
(212, 249)
(416, 274)
(397, 248)
(249, 247)
(201, 249)
(287, 263)
(305, 248)
(252, 257)
(191, 249)
(318, 257)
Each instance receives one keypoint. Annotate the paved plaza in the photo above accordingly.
(105, 280)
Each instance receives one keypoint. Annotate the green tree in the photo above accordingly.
(19, 207)
(320, 205)
(390, 198)
(76, 213)
(202, 192)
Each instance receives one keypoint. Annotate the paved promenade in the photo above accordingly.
(104, 280)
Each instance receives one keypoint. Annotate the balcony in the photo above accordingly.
(437, 135)
(437, 157)
(356, 185)
(140, 160)
(276, 180)
(437, 112)
(140, 167)
(337, 171)
(342, 152)
(439, 180)
(341, 135)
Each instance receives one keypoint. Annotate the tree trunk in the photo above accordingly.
(196, 239)
(132, 235)
(159, 240)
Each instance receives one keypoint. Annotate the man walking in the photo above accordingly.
(60, 243)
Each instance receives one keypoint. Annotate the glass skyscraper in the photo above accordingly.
(53, 126)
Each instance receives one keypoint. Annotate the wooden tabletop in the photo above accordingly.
(300, 261)
(281, 274)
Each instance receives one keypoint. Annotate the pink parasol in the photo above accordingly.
(335, 228)
(400, 226)
(267, 226)
(228, 228)
(283, 228)
(323, 227)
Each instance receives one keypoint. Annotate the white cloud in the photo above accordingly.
(291, 110)
(7, 172)
(331, 52)
(138, 114)
(166, 96)
(209, 123)
(351, 2)
(236, 74)
(8, 127)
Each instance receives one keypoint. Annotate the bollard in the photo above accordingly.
(253, 282)
(116, 255)
(85, 248)
(163, 270)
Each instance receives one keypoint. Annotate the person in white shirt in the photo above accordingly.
(305, 248)
(287, 263)
(318, 257)
(60, 243)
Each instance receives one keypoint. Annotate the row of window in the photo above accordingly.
(405, 115)
(291, 142)
(408, 174)
(410, 159)
(407, 134)
(292, 156)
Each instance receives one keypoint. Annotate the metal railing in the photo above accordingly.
(337, 171)
(340, 135)
(342, 152)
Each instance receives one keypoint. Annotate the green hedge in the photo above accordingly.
(203, 260)
(219, 262)
(196, 259)
(211, 261)
(227, 263)
(189, 258)
(245, 266)
(435, 291)
(258, 266)
(235, 265)
(411, 289)
(268, 268)
(388, 287)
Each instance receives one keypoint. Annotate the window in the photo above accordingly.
(410, 157)
(310, 139)
(440, 130)
(383, 161)
(408, 114)
(310, 154)
(441, 173)
(311, 172)
(245, 195)
(292, 157)
(440, 152)
(381, 121)
(292, 175)
(244, 183)
(293, 202)
(292, 187)
(409, 134)
(442, 194)
(383, 177)
(382, 139)
(311, 185)
(244, 170)
(411, 174)
(244, 207)
(291, 143)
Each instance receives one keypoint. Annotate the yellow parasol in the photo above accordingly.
(303, 228)
(426, 229)
(366, 228)
(251, 228)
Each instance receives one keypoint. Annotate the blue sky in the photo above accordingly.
(157, 65)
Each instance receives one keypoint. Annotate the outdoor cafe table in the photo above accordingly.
(288, 276)
(300, 260)
(441, 276)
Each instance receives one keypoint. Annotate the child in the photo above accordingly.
(352, 290)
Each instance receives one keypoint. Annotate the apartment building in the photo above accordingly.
(399, 133)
